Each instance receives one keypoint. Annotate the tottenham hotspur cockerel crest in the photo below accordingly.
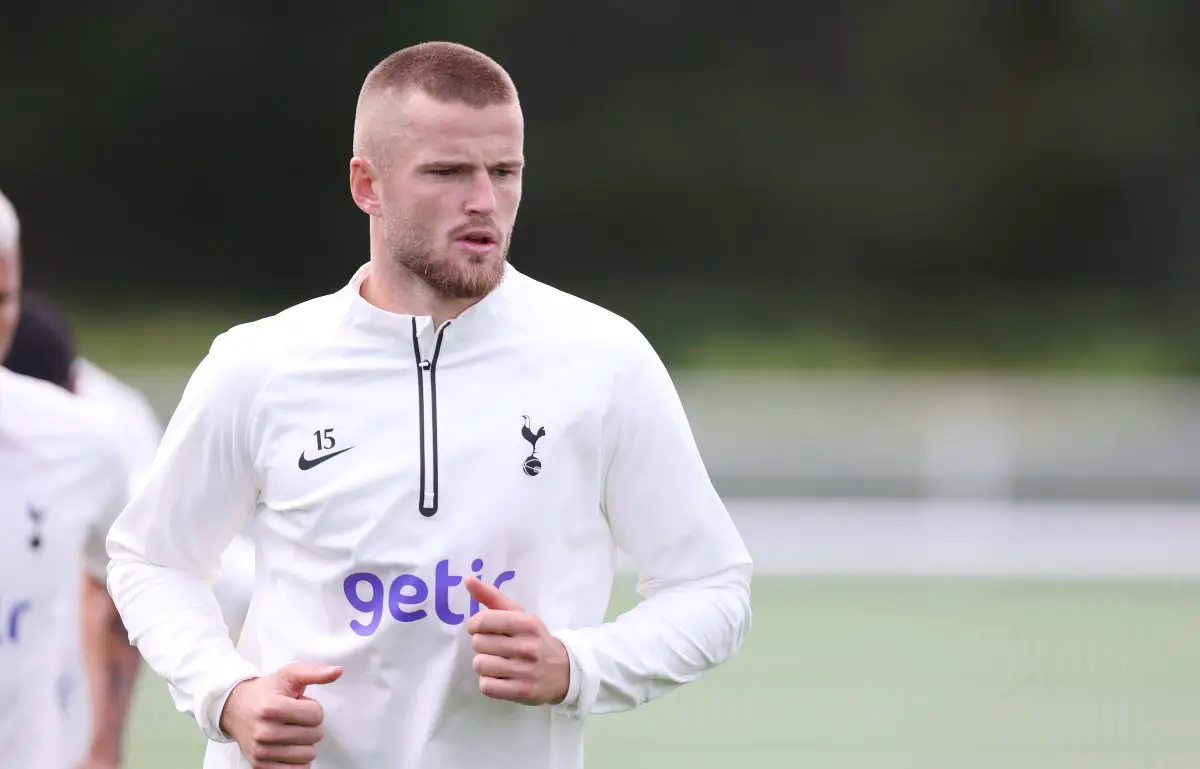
(532, 465)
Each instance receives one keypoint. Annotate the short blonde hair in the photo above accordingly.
(10, 226)
(447, 72)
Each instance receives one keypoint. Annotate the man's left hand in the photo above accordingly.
(516, 658)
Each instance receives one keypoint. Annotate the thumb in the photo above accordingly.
(295, 677)
(489, 596)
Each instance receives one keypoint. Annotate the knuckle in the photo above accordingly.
(260, 733)
(269, 710)
(531, 650)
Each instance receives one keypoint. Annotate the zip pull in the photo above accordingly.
(427, 421)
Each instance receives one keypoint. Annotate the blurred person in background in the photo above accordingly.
(441, 460)
(63, 476)
(10, 273)
(99, 665)
(98, 675)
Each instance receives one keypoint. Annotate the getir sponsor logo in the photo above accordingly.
(11, 615)
(406, 596)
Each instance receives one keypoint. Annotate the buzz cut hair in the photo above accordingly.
(447, 72)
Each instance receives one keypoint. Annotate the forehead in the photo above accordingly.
(428, 129)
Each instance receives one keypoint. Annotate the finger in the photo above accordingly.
(489, 596)
(289, 734)
(488, 666)
(295, 677)
(301, 712)
(502, 622)
(506, 689)
(505, 646)
(282, 755)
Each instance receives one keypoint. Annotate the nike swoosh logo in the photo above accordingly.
(308, 464)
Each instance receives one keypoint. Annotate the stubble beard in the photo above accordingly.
(448, 275)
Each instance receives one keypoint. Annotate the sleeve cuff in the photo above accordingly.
(209, 717)
(583, 687)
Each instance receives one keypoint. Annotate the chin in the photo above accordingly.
(470, 277)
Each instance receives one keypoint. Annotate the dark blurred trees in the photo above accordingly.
(920, 152)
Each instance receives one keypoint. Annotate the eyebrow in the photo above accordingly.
(458, 165)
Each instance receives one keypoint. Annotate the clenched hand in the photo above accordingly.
(516, 658)
(275, 725)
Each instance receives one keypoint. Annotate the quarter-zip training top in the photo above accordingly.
(380, 460)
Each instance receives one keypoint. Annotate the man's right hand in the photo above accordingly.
(275, 725)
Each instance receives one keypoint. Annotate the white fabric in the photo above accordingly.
(61, 475)
(360, 556)
(133, 421)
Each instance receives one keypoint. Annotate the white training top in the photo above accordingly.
(124, 405)
(133, 422)
(382, 460)
(141, 432)
(61, 473)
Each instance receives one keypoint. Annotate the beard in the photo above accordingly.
(448, 273)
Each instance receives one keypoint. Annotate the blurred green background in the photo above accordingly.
(985, 184)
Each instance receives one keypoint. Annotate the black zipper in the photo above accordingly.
(427, 367)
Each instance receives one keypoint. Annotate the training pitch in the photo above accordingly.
(889, 674)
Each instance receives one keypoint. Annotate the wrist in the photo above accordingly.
(104, 752)
(224, 721)
(562, 678)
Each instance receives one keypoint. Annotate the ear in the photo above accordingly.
(364, 185)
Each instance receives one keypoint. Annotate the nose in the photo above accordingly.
(482, 199)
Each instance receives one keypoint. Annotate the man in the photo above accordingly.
(440, 460)
(99, 665)
(10, 273)
(43, 347)
(60, 473)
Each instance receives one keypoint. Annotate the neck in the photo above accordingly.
(393, 287)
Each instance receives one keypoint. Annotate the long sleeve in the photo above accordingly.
(166, 546)
(693, 568)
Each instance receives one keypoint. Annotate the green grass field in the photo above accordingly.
(846, 674)
(1053, 336)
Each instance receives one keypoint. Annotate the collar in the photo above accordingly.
(480, 318)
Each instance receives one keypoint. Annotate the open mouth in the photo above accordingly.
(477, 241)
